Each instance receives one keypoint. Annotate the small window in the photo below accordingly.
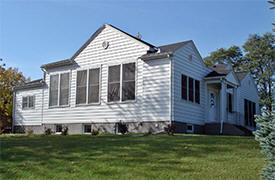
(197, 91)
(191, 89)
(114, 83)
(87, 128)
(184, 87)
(28, 102)
(58, 128)
(190, 128)
(229, 103)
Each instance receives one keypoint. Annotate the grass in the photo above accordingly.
(126, 157)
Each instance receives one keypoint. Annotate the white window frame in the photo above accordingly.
(194, 91)
(28, 102)
(190, 131)
(121, 81)
(87, 69)
(58, 96)
(83, 127)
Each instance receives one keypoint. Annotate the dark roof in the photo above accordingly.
(218, 70)
(66, 62)
(172, 47)
(241, 75)
(31, 84)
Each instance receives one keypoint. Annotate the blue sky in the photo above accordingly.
(33, 33)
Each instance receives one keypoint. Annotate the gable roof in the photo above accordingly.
(172, 47)
(31, 84)
(241, 75)
(94, 35)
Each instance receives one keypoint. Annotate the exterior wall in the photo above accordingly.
(248, 91)
(152, 101)
(182, 110)
(28, 116)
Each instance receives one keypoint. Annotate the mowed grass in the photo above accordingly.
(126, 157)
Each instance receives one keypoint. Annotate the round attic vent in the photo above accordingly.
(105, 44)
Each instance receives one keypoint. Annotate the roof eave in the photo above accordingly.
(156, 56)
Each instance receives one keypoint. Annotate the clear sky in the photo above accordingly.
(41, 31)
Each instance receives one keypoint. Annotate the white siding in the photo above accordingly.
(156, 90)
(28, 116)
(185, 111)
(248, 91)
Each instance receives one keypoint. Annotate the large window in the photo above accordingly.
(59, 89)
(28, 102)
(87, 90)
(190, 89)
(249, 112)
(127, 87)
(128, 82)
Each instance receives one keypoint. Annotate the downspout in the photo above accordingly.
(42, 106)
(13, 111)
(171, 89)
(221, 114)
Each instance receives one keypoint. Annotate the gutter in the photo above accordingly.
(156, 56)
(13, 111)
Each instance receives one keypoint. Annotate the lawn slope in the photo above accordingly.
(126, 157)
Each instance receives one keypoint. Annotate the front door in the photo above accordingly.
(212, 106)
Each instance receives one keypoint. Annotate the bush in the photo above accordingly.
(65, 131)
(150, 131)
(122, 127)
(95, 132)
(266, 136)
(29, 132)
(48, 131)
(170, 129)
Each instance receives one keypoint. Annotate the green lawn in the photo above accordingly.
(125, 157)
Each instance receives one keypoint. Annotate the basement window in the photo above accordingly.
(87, 128)
(190, 128)
(58, 128)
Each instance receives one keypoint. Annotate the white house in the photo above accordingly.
(117, 77)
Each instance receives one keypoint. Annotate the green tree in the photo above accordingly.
(231, 55)
(272, 7)
(259, 59)
(266, 136)
(9, 78)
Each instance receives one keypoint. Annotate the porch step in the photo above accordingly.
(228, 129)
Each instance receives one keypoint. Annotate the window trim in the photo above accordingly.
(55, 129)
(121, 73)
(84, 128)
(87, 69)
(28, 102)
(58, 96)
(194, 90)
(190, 131)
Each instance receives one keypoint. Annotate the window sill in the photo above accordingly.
(122, 102)
(56, 107)
(190, 102)
(90, 104)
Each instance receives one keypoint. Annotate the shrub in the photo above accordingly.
(65, 131)
(266, 136)
(2, 131)
(95, 132)
(170, 129)
(48, 131)
(29, 132)
(150, 131)
(122, 127)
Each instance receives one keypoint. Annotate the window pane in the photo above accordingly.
(25, 102)
(64, 89)
(58, 128)
(191, 90)
(81, 87)
(129, 71)
(183, 87)
(114, 92)
(114, 73)
(128, 91)
(54, 90)
(197, 91)
(93, 94)
(230, 103)
(93, 85)
(31, 101)
(87, 129)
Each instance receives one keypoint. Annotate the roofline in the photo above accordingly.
(156, 56)
(29, 85)
(65, 62)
